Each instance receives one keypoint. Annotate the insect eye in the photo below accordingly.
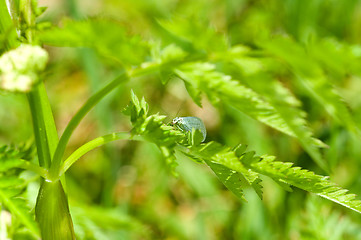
(175, 120)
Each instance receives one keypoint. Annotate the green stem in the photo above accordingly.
(35, 168)
(74, 122)
(91, 145)
(7, 27)
(43, 122)
(51, 210)
(90, 103)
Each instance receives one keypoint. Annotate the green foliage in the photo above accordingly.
(113, 44)
(304, 179)
(281, 76)
(310, 75)
(222, 88)
(185, 33)
(10, 158)
(7, 29)
(234, 181)
(152, 129)
(220, 159)
(318, 219)
(235, 168)
(93, 222)
(12, 187)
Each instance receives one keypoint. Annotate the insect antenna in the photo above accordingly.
(177, 114)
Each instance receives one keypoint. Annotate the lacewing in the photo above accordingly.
(186, 124)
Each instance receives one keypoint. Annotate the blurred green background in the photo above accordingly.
(124, 191)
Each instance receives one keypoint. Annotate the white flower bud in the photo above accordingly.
(16, 82)
(6, 65)
(19, 68)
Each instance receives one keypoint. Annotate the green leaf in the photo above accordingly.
(235, 168)
(10, 181)
(152, 129)
(11, 157)
(309, 74)
(8, 34)
(193, 34)
(12, 187)
(320, 89)
(10, 163)
(113, 44)
(306, 180)
(194, 93)
(98, 221)
(18, 207)
(234, 181)
(334, 56)
(213, 153)
(249, 166)
(222, 88)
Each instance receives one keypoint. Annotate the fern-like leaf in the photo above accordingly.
(225, 163)
(304, 179)
(235, 167)
(11, 186)
(153, 129)
(310, 75)
(234, 181)
(222, 88)
(10, 197)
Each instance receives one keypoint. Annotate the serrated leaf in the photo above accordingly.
(172, 53)
(153, 129)
(256, 184)
(11, 186)
(248, 157)
(220, 87)
(194, 93)
(19, 208)
(231, 179)
(216, 153)
(284, 185)
(12, 153)
(311, 76)
(320, 89)
(240, 149)
(306, 180)
(234, 167)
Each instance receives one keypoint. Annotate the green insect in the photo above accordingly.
(186, 124)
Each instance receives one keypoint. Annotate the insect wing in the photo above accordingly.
(193, 122)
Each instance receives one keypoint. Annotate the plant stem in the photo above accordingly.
(89, 104)
(35, 168)
(74, 122)
(43, 123)
(6, 26)
(90, 146)
(51, 210)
